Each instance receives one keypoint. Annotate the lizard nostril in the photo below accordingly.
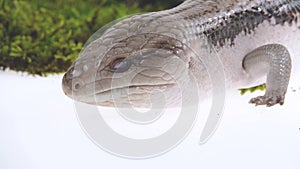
(77, 86)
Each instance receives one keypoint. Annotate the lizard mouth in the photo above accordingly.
(136, 95)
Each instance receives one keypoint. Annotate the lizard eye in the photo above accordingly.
(120, 65)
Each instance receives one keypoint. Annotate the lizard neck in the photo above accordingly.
(222, 21)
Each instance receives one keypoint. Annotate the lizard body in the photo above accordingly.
(148, 52)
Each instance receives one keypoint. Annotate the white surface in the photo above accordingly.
(39, 130)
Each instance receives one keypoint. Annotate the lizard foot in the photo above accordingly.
(267, 100)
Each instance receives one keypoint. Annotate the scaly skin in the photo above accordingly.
(145, 53)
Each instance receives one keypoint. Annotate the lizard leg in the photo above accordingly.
(273, 60)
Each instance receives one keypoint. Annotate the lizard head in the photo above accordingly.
(134, 62)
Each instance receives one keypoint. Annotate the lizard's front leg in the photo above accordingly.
(273, 59)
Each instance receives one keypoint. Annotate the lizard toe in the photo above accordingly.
(267, 100)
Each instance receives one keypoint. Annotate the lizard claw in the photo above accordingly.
(267, 100)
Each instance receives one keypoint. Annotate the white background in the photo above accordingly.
(39, 129)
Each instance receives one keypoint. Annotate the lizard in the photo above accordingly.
(255, 40)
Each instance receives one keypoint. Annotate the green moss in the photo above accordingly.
(42, 37)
